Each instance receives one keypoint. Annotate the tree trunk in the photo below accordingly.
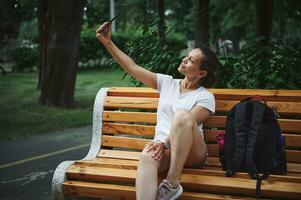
(264, 19)
(161, 11)
(43, 23)
(202, 23)
(60, 50)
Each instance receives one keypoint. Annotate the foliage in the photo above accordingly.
(154, 56)
(24, 56)
(93, 54)
(89, 46)
(28, 30)
(271, 67)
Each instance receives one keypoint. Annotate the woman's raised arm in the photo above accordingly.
(145, 76)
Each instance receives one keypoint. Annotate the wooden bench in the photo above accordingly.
(124, 121)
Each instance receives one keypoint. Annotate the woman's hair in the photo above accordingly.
(209, 63)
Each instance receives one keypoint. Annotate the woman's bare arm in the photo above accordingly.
(147, 77)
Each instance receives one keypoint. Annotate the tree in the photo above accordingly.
(264, 13)
(202, 23)
(59, 27)
(162, 27)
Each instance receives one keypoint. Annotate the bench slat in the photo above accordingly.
(212, 161)
(205, 170)
(280, 107)
(138, 143)
(145, 117)
(142, 130)
(149, 131)
(130, 102)
(213, 149)
(286, 125)
(111, 191)
(221, 105)
(203, 183)
(224, 94)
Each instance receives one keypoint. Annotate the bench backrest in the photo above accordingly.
(129, 119)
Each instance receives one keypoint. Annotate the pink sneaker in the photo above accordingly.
(166, 192)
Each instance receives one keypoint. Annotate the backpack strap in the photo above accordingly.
(256, 121)
(239, 121)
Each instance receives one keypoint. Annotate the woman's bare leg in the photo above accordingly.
(147, 175)
(188, 148)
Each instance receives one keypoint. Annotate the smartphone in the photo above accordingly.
(108, 24)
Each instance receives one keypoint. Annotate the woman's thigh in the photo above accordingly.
(198, 151)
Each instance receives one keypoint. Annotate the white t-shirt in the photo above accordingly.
(171, 100)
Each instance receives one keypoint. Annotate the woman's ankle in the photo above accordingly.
(173, 182)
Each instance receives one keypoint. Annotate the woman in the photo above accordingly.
(183, 106)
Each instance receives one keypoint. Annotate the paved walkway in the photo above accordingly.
(27, 166)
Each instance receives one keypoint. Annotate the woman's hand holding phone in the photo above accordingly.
(104, 32)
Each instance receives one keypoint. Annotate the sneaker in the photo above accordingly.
(167, 192)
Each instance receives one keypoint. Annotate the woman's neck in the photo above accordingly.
(189, 84)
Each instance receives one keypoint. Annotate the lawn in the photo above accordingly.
(21, 115)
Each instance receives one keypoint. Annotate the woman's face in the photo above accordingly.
(190, 65)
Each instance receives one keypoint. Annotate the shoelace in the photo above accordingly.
(165, 190)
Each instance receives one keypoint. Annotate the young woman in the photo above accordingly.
(183, 106)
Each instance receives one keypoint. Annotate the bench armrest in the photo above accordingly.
(59, 175)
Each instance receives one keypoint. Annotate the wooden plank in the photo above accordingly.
(100, 174)
(293, 156)
(224, 94)
(225, 185)
(280, 107)
(129, 155)
(221, 105)
(130, 102)
(205, 170)
(290, 125)
(125, 192)
(211, 161)
(116, 128)
(202, 183)
(292, 140)
(98, 190)
(145, 117)
(287, 125)
(133, 92)
(269, 95)
(138, 143)
(124, 142)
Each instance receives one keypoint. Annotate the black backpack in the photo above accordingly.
(253, 141)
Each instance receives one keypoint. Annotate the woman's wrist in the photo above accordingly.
(165, 143)
(106, 42)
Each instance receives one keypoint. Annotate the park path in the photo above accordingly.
(27, 166)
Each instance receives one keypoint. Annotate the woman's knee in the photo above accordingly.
(146, 158)
(184, 118)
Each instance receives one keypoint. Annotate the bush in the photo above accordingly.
(270, 67)
(24, 57)
(153, 55)
(90, 49)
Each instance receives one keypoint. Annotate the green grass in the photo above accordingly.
(21, 115)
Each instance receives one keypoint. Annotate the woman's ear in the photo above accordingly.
(203, 74)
